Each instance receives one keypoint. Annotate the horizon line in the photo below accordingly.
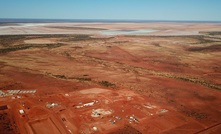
(26, 20)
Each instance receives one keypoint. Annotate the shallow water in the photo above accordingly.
(128, 32)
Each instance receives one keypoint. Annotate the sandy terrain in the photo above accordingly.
(162, 28)
(80, 83)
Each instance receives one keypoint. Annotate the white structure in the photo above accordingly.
(51, 105)
(100, 112)
(13, 91)
(89, 104)
(21, 111)
(95, 128)
(2, 93)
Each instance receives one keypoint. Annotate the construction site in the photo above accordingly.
(94, 110)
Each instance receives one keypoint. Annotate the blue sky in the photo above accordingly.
(208, 10)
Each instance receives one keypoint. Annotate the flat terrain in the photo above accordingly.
(81, 81)
(157, 28)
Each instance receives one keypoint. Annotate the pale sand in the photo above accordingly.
(87, 28)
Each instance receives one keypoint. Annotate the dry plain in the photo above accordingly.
(110, 78)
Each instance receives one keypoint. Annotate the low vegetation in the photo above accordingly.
(195, 115)
(212, 48)
(106, 84)
(27, 46)
(211, 33)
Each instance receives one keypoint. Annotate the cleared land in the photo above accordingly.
(94, 83)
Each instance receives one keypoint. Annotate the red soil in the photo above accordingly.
(139, 84)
